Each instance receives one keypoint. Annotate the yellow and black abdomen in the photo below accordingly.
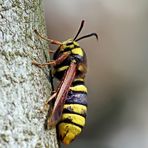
(74, 112)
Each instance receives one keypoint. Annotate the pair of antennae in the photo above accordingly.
(75, 38)
(86, 36)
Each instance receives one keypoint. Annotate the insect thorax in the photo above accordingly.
(76, 53)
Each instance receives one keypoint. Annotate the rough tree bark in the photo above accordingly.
(23, 87)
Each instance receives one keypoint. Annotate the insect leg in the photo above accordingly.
(51, 98)
(46, 103)
(52, 62)
(47, 39)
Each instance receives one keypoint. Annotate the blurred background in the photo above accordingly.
(117, 67)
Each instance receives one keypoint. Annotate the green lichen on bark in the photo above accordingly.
(23, 87)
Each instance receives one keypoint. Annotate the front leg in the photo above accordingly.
(44, 64)
(52, 62)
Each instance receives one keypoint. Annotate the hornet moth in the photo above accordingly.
(70, 105)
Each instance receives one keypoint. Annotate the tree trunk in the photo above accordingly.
(23, 87)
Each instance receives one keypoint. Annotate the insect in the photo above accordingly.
(70, 106)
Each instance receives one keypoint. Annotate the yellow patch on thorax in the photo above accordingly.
(77, 51)
(62, 68)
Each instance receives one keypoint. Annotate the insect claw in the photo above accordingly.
(46, 103)
(36, 63)
(43, 109)
(45, 106)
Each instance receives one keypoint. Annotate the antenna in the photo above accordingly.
(88, 35)
(80, 28)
